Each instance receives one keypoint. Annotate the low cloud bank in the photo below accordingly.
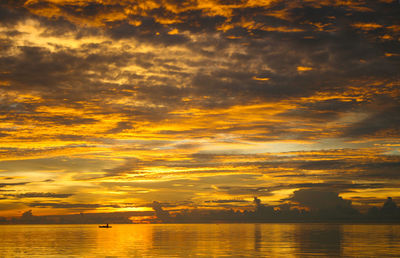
(305, 205)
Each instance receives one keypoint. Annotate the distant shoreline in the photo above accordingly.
(216, 223)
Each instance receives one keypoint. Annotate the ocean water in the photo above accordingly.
(201, 240)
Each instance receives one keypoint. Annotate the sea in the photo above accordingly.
(201, 240)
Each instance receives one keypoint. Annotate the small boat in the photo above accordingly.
(106, 226)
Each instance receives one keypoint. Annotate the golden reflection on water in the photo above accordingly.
(201, 240)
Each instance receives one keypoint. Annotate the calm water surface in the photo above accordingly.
(201, 240)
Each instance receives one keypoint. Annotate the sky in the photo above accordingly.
(107, 106)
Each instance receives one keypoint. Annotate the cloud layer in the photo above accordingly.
(111, 105)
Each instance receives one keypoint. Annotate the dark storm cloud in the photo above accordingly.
(319, 199)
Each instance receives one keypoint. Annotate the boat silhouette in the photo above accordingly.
(106, 226)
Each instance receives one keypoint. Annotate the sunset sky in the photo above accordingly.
(110, 105)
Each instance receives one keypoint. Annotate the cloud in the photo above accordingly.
(160, 213)
(319, 199)
(64, 205)
(11, 12)
(340, 186)
(226, 201)
(130, 166)
(240, 190)
(38, 195)
(174, 95)
(11, 184)
(383, 122)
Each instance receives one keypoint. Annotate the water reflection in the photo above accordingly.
(45, 240)
(257, 237)
(318, 239)
(201, 240)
